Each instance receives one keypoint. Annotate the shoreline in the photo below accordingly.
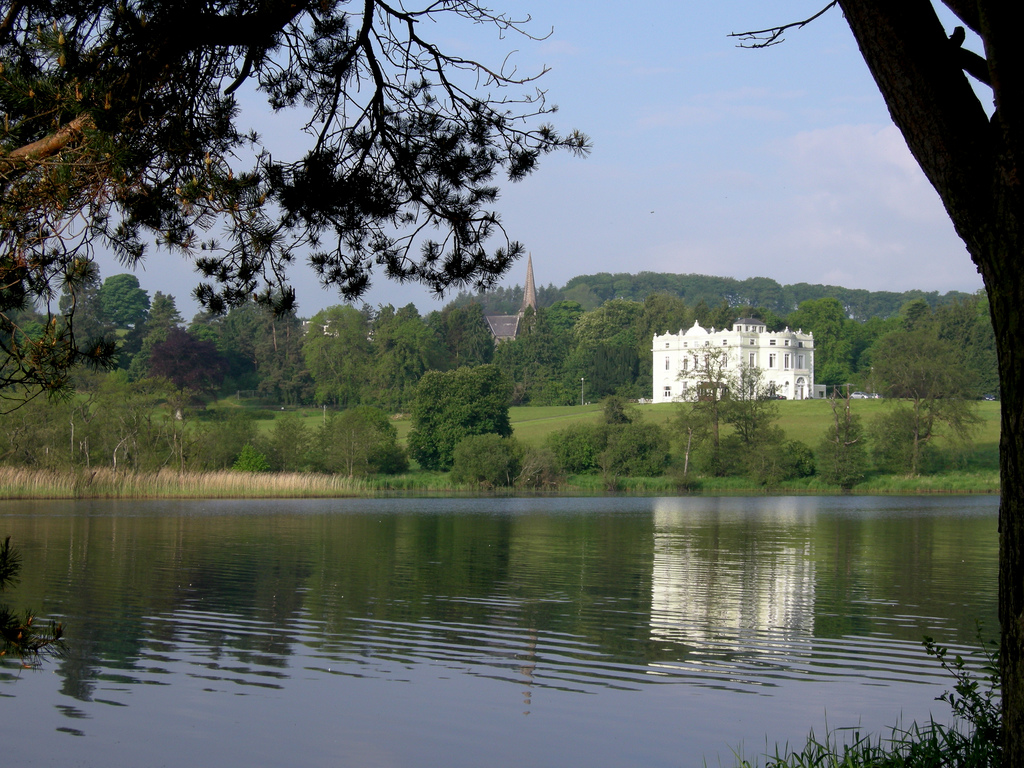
(22, 484)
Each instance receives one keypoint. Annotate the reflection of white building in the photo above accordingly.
(712, 588)
(785, 358)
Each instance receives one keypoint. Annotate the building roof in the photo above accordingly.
(503, 326)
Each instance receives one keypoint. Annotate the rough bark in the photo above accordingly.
(975, 165)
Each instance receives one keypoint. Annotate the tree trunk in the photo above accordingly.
(976, 164)
(1005, 284)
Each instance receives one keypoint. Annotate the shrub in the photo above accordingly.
(489, 460)
(636, 450)
(538, 469)
(251, 460)
(577, 448)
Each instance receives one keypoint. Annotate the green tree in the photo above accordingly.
(842, 453)
(451, 405)
(606, 349)
(404, 348)
(288, 444)
(700, 419)
(464, 334)
(163, 318)
(263, 351)
(922, 370)
(535, 360)
(833, 348)
(217, 444)
(129, 427)
(82, 303)
(121, 128)
(124, 302)
(339, 355)
(359, 441)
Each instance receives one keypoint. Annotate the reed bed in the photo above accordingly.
(107, 484)
(20, 483)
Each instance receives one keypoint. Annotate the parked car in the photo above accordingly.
(859, 396)
(988, 397)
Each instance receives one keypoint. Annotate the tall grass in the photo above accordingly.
(107, 484)
(972, 741)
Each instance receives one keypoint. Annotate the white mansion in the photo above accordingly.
(785, 358)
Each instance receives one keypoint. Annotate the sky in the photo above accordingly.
(707, 158)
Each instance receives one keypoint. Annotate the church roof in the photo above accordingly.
(503, 326)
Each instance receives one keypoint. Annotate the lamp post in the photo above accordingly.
(581, 390)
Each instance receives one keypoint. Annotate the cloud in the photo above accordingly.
(864, 168)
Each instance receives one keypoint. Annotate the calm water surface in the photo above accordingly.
(510, 632)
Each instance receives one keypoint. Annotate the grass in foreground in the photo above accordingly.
(972, 741)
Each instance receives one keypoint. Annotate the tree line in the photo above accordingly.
(346, 356)
(366, 364)
(590, 291)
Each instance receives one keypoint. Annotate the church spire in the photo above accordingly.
(530, 291)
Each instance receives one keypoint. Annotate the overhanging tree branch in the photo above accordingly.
(764, 38)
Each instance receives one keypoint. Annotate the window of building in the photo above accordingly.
(771, 360)
(785, 361)
(787, 342)
(752, 359)
(668, 391)
(771, 342)
(725, 342)
(799, 343)
(686, 362)
(666, 363)
(800, 361)
(751, 342)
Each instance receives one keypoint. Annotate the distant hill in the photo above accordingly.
(593, 290)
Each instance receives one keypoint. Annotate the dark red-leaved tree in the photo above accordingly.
(189, 362)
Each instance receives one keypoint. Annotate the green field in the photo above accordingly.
(803, 420)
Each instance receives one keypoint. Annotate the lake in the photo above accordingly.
(486, 632)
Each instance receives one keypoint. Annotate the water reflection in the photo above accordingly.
(449, 616)
(715, 582)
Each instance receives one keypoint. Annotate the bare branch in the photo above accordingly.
(764, 38)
